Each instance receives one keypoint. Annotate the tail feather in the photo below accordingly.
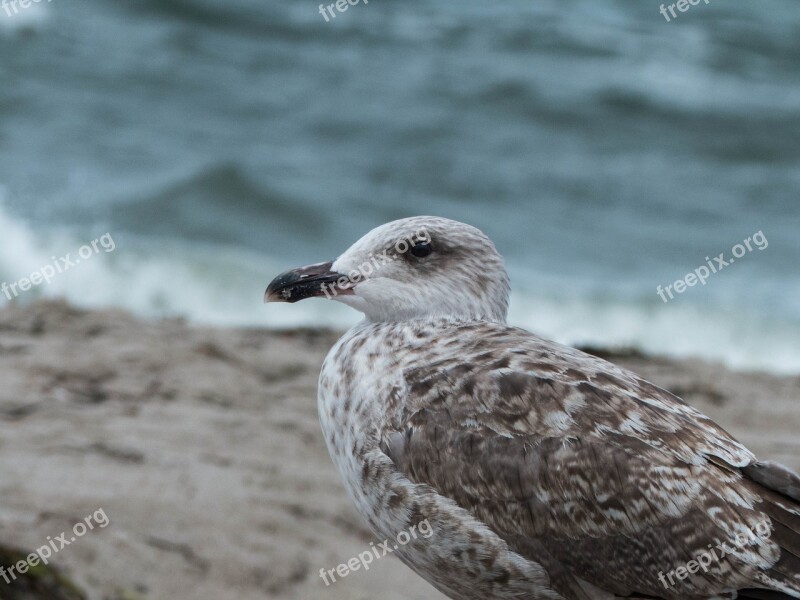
(779, 509)
(779, 489)
(775, 477)
(748, 594)
(788, 540)
(761, 595)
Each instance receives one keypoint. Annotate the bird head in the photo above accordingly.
(419, 267)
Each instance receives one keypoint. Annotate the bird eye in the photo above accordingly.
(421, 249)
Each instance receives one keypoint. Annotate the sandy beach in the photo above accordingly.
(202, 447)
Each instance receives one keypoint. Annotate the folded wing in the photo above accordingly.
(589, 470)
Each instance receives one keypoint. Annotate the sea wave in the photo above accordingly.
(223, 285)
(731, 336)
(213, 284)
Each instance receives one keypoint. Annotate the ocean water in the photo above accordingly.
(606, 152)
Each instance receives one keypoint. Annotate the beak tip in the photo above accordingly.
(272, 296)
(297, 284)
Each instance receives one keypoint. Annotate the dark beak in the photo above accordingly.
(306, 282)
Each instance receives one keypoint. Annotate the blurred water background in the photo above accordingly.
(605, 151)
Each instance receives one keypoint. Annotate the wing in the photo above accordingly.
(578, 464)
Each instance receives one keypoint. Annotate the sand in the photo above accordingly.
(202, 447)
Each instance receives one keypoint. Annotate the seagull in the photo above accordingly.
(544, 473)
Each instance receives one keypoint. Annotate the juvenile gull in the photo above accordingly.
(544, 472)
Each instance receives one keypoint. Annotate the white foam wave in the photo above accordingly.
(224, 286)
(213, 285)
(735, 338)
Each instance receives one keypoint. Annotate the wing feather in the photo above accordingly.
(574, 460)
